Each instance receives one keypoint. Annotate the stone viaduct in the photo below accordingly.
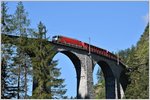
(114, 72)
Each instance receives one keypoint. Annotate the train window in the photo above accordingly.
(96, 50)
(55, 38)
(93, 49)
(100, 52)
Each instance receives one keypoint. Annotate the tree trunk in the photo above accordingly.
(25, 81)
(18, 83)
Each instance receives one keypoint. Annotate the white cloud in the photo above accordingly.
(146, 18)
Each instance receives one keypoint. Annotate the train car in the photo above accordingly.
(100, 51)
(68, 41)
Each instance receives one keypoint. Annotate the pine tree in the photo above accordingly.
(6, 20)
(7, 90)
(21, 23)
(6, 93)
(44, 69)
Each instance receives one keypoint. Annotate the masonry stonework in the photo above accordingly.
(111, 69)
(114, 73)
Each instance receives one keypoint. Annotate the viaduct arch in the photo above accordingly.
(76, 62)
(115, 79)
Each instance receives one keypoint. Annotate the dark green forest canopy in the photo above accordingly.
(137, 59)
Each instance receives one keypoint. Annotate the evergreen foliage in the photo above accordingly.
(16, 64)
(20, 20)
(45, 72)
(99, 88)
(6, 20)
(137, 58)
(21, 60)
(7, 90)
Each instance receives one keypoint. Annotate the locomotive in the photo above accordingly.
(82, 45)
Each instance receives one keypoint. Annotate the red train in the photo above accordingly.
(76, 43)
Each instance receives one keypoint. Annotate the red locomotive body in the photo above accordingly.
(83, 45)
(69, 41)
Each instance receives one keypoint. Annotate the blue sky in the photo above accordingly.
(110, 25)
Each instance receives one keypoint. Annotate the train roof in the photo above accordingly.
(68, 37)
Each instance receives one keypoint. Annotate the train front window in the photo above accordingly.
(55, 38)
